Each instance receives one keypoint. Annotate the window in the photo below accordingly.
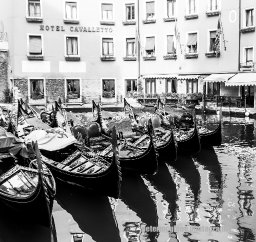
(212, 41)
(37, 89)
(130, 47)
(213, 5)
(107, 47)
(72, 46)
(34, 8)
(71, 11)
(73, 88)
(150, 46)
(131, 86)
(192, 43)
(150, 10)
(171, 8)
(248, 55)
(213, 88)
(191, 6)
(35, 45)
(170, 45)
(150, 86)
(192, 86)
(249, 18)
(130, 12)
(108, 88)
(107, 12)
(171, 85)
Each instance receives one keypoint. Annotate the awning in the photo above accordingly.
(242, 79)
(218, 77)
(159, 76)
(188, 77)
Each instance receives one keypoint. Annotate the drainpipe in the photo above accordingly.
(239, 38)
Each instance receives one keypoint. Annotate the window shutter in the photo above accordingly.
(150, 7)
(170, 44)
(192, 39)
(69, 46)
(68, 11)
(35, 45)
(107, 7)
(150, 43)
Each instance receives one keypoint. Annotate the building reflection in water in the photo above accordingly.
(137, 197)
(245, 199)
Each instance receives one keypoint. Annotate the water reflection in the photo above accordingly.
(245, 199)
(91, 212)
(14, 228)
(211, 198)
(163, 182)
(135, 194)
(186, 168)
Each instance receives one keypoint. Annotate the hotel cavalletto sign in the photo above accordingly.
(75, 29)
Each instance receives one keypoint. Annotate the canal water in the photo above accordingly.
(208, 197)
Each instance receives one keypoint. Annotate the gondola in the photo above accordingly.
(137, 153)
(211, 138)
(162, 136)
(163, 139)
(77, 166)
(27, 190)
(191, 143)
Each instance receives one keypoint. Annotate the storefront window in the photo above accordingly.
(131, 87)
(171, 85)
(192, 86)
(213, 88)
(73, 88)
(108, 86)
(36, 89)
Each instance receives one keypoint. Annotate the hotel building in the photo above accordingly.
(107, 49)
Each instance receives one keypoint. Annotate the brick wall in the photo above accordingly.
(3, 73)
(54, 89)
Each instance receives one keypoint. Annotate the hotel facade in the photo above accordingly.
(81, 50)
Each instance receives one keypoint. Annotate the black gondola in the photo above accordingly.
(136, 153)
(211, 138)
(27, 191)
(77, 167)
(191, 143)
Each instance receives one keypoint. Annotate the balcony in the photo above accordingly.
(107, 22)
(248, 29)
(170, 57)
(247, 66)
(34, 19)
(130, 58)
(71, 21)
(35, 57)
(149, 21)
(191, 56)
(212, 13)
(170, 19)
(72, 58)
(107, 58)
(129, 22)
(191, 16)
(149, 58)
(212, 54)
